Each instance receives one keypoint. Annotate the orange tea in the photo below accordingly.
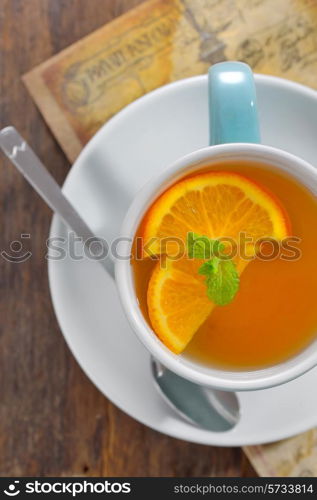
(271, 314)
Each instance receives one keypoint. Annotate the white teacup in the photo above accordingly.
(233, 123)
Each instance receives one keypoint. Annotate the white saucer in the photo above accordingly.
(133, 146)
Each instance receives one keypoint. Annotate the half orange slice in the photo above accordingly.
(177, 301)
(215, 204)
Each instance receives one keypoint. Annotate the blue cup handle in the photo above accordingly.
(233, 115)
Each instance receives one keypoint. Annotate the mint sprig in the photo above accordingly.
(222, 278)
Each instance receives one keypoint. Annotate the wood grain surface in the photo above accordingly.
(53, 421)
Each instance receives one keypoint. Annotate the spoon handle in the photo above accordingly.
(31, 167)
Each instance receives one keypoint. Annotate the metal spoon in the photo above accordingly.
(206, 408)
(209, 409)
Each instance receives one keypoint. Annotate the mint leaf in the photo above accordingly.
(222, 280)
(202, 247)
(209, 267)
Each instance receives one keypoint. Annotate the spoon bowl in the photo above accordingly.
(210, 409)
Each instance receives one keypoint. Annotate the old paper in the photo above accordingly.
(164, 40)
(160, 41)
(293, 457)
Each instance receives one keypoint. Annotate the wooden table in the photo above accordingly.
(53, 421)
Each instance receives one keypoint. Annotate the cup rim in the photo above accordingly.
(199, 373)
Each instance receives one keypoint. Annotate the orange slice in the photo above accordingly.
(177, 301)
(213, 204)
